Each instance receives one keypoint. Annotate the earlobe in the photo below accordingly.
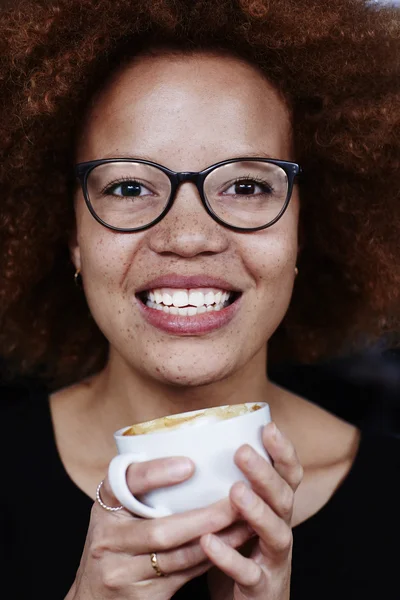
(75, 251)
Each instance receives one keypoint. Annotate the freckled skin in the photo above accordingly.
(187, 113)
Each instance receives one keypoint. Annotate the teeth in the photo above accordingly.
(180, 298)
(166, 299)
(209, 298)
(187, 302)
(196, 298)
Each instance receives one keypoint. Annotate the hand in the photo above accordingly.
(267, 508)
(116, 558)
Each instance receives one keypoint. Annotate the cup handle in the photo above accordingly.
(117, 478)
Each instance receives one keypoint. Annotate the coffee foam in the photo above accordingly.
(205, 417)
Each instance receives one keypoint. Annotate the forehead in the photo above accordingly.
(186, 112)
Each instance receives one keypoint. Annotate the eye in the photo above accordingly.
(127, 189)
(248, 187)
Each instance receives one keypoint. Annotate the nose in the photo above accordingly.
(188, 230)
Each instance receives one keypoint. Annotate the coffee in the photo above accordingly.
(202, 417)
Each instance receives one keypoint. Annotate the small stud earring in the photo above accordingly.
(78, 279)
(296, 271)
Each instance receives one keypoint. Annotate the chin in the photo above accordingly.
(190, 375)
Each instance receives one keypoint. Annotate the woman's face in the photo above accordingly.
(187, 113)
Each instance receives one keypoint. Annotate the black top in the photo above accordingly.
(349, 550)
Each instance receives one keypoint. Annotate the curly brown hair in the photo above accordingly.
(336, 63)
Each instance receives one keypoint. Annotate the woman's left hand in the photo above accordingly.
(267, 508)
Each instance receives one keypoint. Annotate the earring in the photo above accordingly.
(78, 279)
(296, 271)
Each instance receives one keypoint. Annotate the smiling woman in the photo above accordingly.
(182, 163)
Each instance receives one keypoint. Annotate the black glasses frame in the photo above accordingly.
(82, 171)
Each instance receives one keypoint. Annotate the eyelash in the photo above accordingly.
(119, 181)
(251, 179)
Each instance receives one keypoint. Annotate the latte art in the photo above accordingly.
(203, 417)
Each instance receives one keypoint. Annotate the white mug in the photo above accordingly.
(211, 446)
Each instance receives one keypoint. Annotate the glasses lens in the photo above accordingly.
(128, 194)
(247, 193)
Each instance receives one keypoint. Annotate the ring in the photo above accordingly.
(100, 501)
(154, 564)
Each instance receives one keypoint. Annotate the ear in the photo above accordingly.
(75, 250)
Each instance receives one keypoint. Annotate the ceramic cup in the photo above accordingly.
(210, 443)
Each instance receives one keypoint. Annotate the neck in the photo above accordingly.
(124, 396)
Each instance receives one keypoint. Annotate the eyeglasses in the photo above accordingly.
(243, 194)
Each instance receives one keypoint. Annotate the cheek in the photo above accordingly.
(271, 256)
(106, 257)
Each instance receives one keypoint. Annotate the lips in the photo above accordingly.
(190, 305)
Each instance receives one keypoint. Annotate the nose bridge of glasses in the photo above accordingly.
(188, 177)
(184, 176)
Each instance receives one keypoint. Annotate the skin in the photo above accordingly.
(188, 113)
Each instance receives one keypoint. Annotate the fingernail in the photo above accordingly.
(276, 433)
(180, 469)
(245, 495)
(213, 542)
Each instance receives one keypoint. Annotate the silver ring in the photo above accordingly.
(100, 501)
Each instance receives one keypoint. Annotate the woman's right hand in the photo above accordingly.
(116, 558)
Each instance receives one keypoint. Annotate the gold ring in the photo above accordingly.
(154, 564)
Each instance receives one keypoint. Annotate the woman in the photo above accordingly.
(181, 163)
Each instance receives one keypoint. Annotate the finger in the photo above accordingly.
(244, 571)
(184, 576)
(189, 555)
(266, 481)
(141, 536)
(284, 455)
(147, 476)
(275, 536)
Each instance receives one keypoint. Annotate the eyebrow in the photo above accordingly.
(140, 156)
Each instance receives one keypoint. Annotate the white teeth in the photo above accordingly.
(180, 299)
(166, 299)
(187, 302)
(209, 298)
(196, 298)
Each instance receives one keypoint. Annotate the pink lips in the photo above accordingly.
(193, 325)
